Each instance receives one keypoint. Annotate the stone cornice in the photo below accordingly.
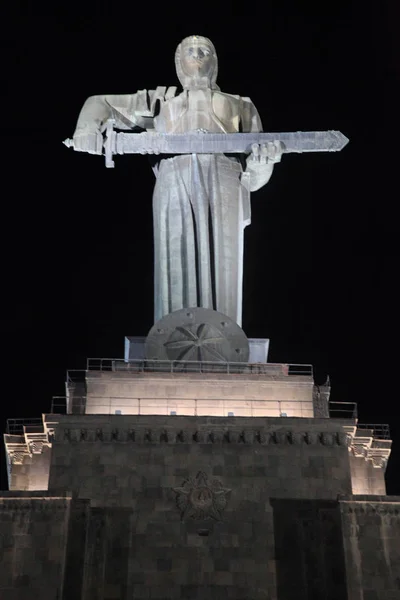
(210, 435)
(198, 430)
(18, 504)
(369, 507)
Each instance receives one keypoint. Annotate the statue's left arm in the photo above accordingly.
(260, 163)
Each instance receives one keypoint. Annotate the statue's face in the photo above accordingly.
(197, 58)
(196, 63)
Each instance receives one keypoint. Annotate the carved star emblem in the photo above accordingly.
(195, 342)
(199, 498)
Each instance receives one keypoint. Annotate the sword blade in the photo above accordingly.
(210, 143)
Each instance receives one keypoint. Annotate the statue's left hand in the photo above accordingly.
(269, 153)
(260, 163)
(149, 151)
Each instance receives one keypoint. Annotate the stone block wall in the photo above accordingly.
(182, 506)
(371, 535)
(41, 546)
(99, 456)
(309, 550)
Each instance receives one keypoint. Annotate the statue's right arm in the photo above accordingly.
(87, 136)
(131, 109)
(95, 112)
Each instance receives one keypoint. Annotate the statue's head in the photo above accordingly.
(196, 63)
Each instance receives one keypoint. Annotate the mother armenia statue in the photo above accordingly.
(201, 202)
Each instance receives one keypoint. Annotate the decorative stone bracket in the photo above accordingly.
(27, 444)
(364, 445)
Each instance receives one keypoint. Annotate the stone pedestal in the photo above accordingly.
(199, 507)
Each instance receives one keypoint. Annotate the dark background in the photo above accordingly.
(321, 263)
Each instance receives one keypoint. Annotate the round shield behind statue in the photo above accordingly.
(197, 334)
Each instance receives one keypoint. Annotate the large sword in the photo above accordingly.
(200, 142)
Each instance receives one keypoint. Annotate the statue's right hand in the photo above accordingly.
(89, 142)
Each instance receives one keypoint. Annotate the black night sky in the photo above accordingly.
(321, 259)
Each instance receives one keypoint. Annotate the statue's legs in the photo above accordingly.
(198, 235)
(174, 241)
(226, 209)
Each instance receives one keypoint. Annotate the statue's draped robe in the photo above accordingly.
(201, 203)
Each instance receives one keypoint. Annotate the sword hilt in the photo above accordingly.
(109, 143)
